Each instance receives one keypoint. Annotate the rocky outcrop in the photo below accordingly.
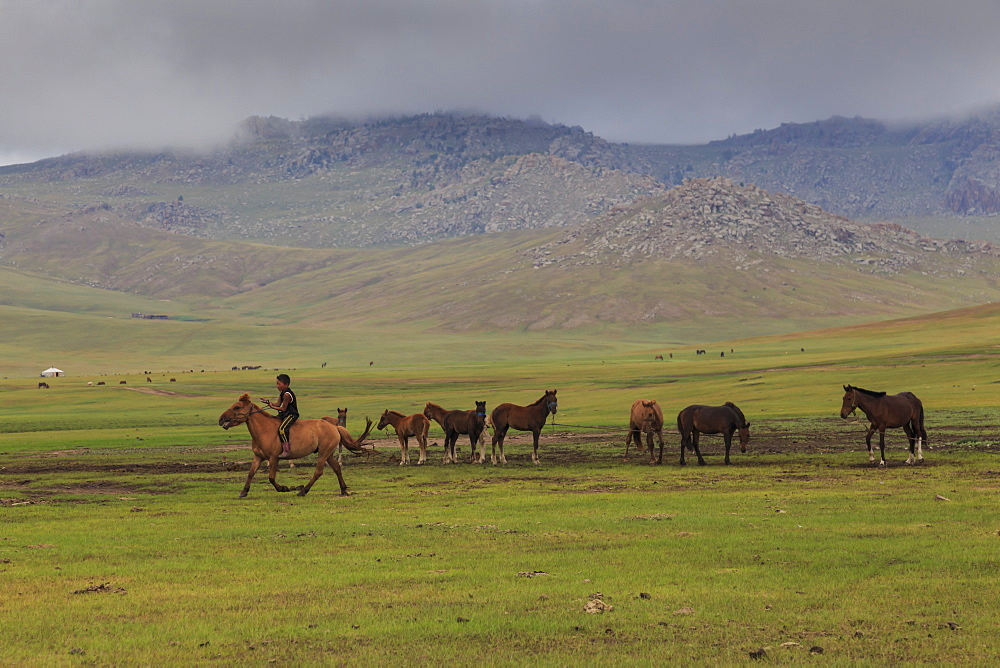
(716, 217)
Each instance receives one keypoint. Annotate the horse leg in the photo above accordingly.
(320, 465)
(685, 443)
(868, 442)
(918, 427)
(534, 452)
(694, 441)
(335, 465)
(272, 472)
(253, 471)
(881, 445)
(649, 446)
(404, 451)
(628, 441)
(728, 436)
(422, 442)
(498, 436)
(911, 438)
(659, 435)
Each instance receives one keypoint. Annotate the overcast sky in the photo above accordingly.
(84, 74)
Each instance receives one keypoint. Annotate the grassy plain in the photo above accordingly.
(124, 541)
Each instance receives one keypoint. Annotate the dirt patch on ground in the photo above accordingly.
(27, 475)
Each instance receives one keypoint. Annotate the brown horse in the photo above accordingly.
(888, 412)
(406, 426)
(646, 418)
(523, 418)
(457, 422)
(341, 421)
(725, 420)
(306, 437)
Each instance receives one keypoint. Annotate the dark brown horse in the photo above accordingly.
(458, 422)
(646, 418)
(725, 419)
(407, 425)
(523, 418)
(305, 437)
(888, 412)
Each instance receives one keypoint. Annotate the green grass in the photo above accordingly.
(473, 564)
(130, 499)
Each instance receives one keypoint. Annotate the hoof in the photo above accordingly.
(243, 495)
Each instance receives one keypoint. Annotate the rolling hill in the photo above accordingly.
(441, 226)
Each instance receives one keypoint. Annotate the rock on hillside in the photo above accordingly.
(533, 191)
(703, 218)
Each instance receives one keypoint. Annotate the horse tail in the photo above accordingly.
(353, 444)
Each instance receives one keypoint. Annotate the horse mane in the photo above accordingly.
(743, 419)
(540, 399)
(870, 393)
(397, 413)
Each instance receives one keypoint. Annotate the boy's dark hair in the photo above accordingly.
(283, 377)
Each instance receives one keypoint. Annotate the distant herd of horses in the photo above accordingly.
(327, 436)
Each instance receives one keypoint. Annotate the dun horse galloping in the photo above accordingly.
(523, 418)
(725, 419)
(306, 437)
(888, 412)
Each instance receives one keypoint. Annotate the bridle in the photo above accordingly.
(241, 418)
(854, 400)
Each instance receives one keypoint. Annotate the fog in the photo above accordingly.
(95, 74)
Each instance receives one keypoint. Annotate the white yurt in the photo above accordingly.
(53, 372)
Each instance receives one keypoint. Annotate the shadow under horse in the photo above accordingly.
(725, 419)
(888, 411)
(321, 436)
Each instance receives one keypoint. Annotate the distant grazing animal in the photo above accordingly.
(100, 382)
(148, 379)
(725, 420)
(658, 357)
(306, 437)
(173, 380)
(123, 382)
(43, 385)
(323, 365)
(415, 425)
(646, 418)
(523, 418)
(888, 412)
(371, 363)
(90, 383)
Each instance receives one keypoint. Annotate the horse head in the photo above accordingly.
(238, 413)
(341, 415)
(744, 433)
(481, 409)
(646, 415)
(384, 420)
(551, 402)
(850, 403)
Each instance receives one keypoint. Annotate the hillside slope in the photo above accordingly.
(330, 183)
